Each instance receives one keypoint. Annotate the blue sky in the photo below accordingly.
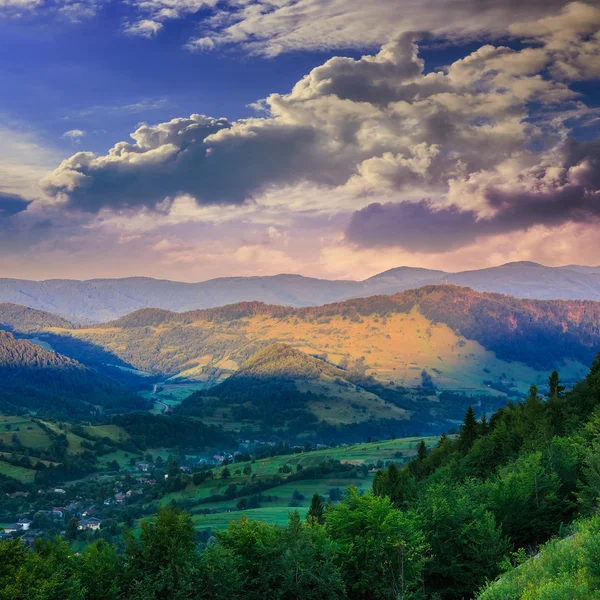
(89, 75)
(460, 135)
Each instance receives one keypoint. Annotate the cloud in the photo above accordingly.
(73, 10)
(73, 134)
(146, 28)
(271, 28)
(24, 160)
(569, 194)
(374, 126)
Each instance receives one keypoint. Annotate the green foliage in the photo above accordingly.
(160, 565)
(316, 511)
(383, 550)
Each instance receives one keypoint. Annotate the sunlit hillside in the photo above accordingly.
(463, 340)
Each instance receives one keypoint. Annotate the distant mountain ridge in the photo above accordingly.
(102, 300)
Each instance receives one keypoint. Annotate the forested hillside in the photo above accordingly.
(45, 382)
(284, 393)
(22, 318)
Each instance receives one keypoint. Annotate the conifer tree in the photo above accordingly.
(421, 451)
(316, 510)
(468, 431)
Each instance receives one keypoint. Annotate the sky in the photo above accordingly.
(191, 139)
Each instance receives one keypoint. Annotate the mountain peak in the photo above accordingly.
(524, 263)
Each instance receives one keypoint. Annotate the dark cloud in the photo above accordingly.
(11, 204)
(228, 168)
(421, 227)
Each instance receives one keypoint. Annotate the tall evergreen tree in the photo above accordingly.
(468, 431)
(556, 389)
(422, 451)
(316, 511)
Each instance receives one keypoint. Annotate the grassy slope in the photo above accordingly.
(564, 569)
(34, 438)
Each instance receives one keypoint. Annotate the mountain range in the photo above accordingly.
(100, 300)
(463, 339)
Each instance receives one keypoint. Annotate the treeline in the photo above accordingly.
(156, 431)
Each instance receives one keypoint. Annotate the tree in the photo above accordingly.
(72, 529)
(316, 510)
(225, 473)
(160, 565)
(382, 551)
(421, 451)
(466, 543)
(100, 571)
(468, 431)
(556, 405)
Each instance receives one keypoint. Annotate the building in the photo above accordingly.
(92, 523)
(13, 528)
(25, 524)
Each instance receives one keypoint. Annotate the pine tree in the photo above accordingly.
(468, 431)
(316, 510)
(556, 389)
(421, 451)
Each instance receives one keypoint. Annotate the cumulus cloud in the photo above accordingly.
(485, 139)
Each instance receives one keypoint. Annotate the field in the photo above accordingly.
(18, 473)
(275, 502)
(172, 394)
(112, 432)
(29, 433)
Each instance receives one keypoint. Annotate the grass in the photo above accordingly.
(276, 509)
(18, 473)
(273, 516)
(30, 434)
(396, 349)
(113, 432)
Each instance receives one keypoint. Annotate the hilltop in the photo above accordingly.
(22, 318)
(101, 300)
(283, 389)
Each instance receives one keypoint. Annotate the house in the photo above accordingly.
(18, 495)
(58, 491)
(13, 528)
(92, 523)
(119, 497)
(57, 512)
(143, 466)
(25, 524)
